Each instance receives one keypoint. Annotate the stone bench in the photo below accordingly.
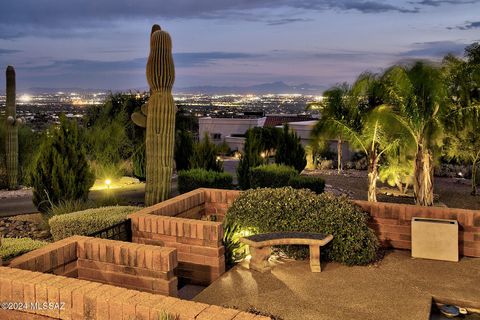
(260, 247)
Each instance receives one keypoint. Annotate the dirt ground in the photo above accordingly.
(399, 287)
(451, 192)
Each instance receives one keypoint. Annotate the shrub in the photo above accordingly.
(189, 180)
(288, 209)
(271, 175)
(62, 171)
(13, 247)
(87, 221)
(315, 184)
(290, 151)
(69, 206)
(234, 249)
(205, 156)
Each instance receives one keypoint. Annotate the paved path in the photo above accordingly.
(24, 205)
(399, 288)
(132, 193)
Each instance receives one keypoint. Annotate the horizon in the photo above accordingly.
(227, 44)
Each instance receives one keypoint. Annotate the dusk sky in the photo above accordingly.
(104, 43)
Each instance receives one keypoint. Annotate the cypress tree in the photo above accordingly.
(183, 149)
(250, 158)
(290, 151)
(205, 156)
(62, 172)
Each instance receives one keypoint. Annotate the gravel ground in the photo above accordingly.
(450, 192)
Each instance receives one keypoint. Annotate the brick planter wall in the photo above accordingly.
(83, 299)
(129, 265)
(392, 224)
(58, 258)
(175, 223)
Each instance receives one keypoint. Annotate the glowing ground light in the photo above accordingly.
(108, 182)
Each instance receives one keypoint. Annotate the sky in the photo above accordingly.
(104, 43)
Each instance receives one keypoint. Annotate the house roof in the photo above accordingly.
(273, 121)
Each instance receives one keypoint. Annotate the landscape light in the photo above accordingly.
(108, 182)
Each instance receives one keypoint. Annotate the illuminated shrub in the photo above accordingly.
(288, 209)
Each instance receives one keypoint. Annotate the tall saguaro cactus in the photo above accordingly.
(12, 123)
(158, 116)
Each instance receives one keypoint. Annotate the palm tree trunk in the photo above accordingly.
(339, 156)
(474, 179)
(423, 177)
(372, 177)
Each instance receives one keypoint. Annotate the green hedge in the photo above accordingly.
(189, 180)
(315, 184)
(13, 247)
(87, 221)
(288, 209)
(271, 175)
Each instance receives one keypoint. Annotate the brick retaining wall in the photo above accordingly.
(130, 265)
(59, 258)
(392, 224)
(176, 223)
(83, 299)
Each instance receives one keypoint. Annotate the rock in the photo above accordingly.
(12, 228)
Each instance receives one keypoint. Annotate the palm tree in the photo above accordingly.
(463, 79)
(357, 115)
(418, 95)
(374, 139)
(337, 106)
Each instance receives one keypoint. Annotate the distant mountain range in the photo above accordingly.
(264, 88)
(278, 87)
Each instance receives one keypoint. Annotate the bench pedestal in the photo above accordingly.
(260, 247)
(315, 259)
(259, 260)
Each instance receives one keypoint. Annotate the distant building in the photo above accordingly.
(232, 130)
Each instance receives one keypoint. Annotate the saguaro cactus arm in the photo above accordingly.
(140, 119)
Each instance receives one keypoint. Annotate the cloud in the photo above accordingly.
(21, 18)
(437, 3)
(282, 21)
(182, 60)
(467, 26)
(434, 49)
(196, 59)
(8, 51)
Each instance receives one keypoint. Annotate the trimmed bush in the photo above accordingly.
(315, 184)
(271, 175)
(189, 180)
(13, 247)
(288, 209)
(87, 221)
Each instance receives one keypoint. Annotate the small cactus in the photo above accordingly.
(158, 117)
(12, 123)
